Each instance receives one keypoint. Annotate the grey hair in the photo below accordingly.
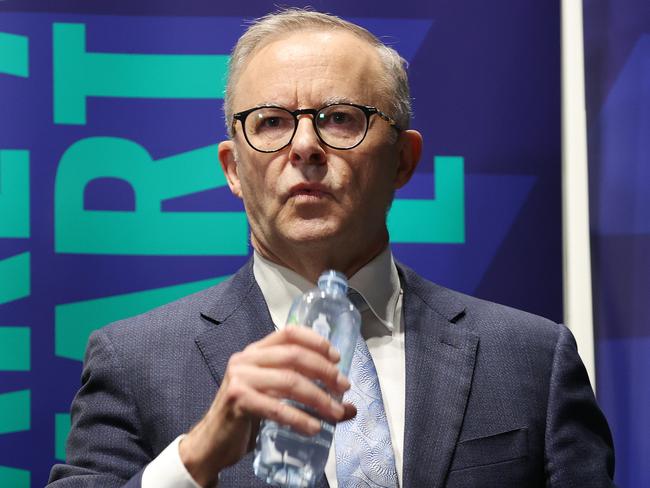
(263, 30)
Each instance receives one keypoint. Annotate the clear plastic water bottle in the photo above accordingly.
(284, 457)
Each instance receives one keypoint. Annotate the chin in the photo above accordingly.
(311, 231)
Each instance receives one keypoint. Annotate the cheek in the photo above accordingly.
(374, 179)
(250, 172)
(260, 182)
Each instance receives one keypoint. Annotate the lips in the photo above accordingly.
(313, 190)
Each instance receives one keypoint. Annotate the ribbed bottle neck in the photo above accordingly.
(334, 281)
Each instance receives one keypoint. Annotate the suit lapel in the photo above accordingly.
(237, 318)
(440, 357)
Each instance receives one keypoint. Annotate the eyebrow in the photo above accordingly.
(324, 103)
(335, 100)
(267, 104)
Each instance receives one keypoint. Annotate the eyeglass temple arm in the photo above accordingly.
(388, 119)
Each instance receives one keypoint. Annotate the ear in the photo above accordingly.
(229, 166)
(410, 150)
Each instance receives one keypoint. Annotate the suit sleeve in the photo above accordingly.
(578, 443)
(104, 448)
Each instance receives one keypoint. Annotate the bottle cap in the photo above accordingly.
(333, 279)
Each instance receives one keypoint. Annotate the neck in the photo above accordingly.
(310, 259)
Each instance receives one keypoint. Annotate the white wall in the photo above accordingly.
(578, 312)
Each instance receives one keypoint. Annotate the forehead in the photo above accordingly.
(308, 69)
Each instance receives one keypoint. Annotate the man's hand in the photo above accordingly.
(284, 364)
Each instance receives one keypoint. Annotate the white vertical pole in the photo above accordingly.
(578, 312)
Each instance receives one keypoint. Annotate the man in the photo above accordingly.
(475, 394)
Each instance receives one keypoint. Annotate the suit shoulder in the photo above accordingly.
(180, 319)
(482, 316)
(493, 317)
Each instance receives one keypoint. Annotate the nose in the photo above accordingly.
(306, 147)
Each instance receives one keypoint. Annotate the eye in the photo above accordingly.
(340, 118)
(269, 120)
(337, 118)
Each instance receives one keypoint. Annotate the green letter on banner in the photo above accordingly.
(14, 55)
(439, 220)
(79, 74)
(14, 193)
(15, 280)
(74, 322)
(61, 432)
(15, 478)
(14, 348)
(15, 411)
(147, 230)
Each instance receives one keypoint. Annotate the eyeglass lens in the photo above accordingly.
(339, 126)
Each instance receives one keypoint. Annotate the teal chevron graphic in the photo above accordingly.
(74, 322)
(14, 54)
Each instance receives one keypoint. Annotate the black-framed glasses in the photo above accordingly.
(269, 129)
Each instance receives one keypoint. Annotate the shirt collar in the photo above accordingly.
(377, 282)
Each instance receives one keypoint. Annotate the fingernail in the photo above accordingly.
(334, 354)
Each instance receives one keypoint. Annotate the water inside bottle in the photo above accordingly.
(288, 459)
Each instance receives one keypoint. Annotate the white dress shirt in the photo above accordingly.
(382, 327)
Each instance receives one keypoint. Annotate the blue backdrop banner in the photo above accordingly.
(112, 200)
(617, 49)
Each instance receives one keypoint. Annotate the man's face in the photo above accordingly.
(309, 193)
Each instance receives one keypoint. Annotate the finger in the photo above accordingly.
(286, 383)
(303, 336)
(350, 411)
(304, 361)
(261, 405)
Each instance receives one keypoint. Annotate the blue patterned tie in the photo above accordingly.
(364, 453)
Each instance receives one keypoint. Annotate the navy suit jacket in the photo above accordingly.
(495, 397)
